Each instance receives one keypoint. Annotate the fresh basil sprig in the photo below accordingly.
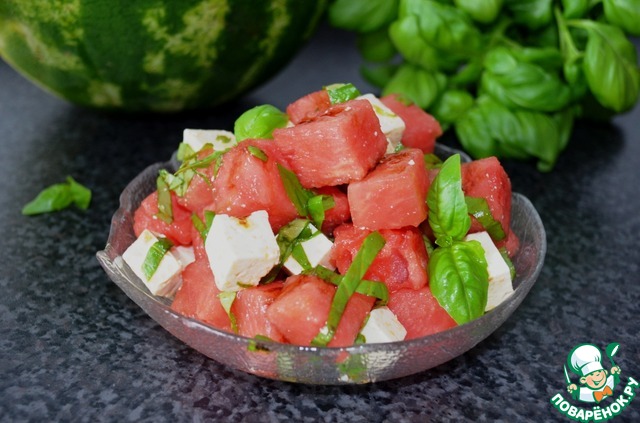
(543, 62)
(59, 196)
(458, 275)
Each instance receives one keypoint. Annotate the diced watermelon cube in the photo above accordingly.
(200, 191)
(302, 309)
(335, 148)
(245, 183)
(393, 195)
(339, 213)
(421, 130)
(486, 178)
(309, 106)
(250, 310)
(198, 296)
(401, 263)
(419, 312)
(145, 217)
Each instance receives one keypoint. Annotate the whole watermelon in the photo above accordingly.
(153, 55)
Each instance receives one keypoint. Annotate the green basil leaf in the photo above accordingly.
(258, 153)
(432, 161)
(444, 27)
(80, 195)
(380, 75)
(451, 105)
(154, 256)
(505, 256)
(573, 9)
(53, 198)
(259, 122)
(448, 215)
(610, 66)
(317, 206)
(418, 85)
(165, 207)
(479, 208)
(459, 280)
(518, 84)
(203, 227)
(341, 93)
(533, 14)
(362, 15)
(374, 289)
(298, 195)
(59, 196)
(483, 11)
(376, 46)
(371, 245)
(489, 128)
(624, 14)
(226, 300)
(406, 37)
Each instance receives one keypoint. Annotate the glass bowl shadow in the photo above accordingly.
(320, 365)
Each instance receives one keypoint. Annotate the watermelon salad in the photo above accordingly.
(331, 223)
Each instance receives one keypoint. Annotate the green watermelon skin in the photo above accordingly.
(153, 55)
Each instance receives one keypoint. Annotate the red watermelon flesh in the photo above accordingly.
(200, 191)
(145, 217)
(302, 309)
(245, 183)
(486, 178)
(339, 213)
(335, 148)
(309, 106)
(250, 310)
(400, 264)
(421, 130)
(419, 312)
(198, 296)
(393, 195)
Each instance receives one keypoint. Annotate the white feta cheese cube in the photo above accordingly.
(185, 255)
(198, 138)
(383, 326)
(500, 284)
(167, 278)
(241, 251)
(391, 124)
(317, 249)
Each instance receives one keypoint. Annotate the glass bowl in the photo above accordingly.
(320, 365)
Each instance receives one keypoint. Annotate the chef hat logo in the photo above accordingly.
(585, 359)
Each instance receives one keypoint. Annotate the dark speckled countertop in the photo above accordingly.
(73, 347)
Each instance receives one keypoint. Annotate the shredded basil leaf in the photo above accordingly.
(505, 255)
(256, 152)
(226, 299)
(154, 256)
(59, 196)
(366, 287)
(298, 195)
(479, 208)
(371, 245)
(256, 346)
(165, 209)
(317, 206)
(203, 227)
(340, 93)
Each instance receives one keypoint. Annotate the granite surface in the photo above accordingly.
(75, 348)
